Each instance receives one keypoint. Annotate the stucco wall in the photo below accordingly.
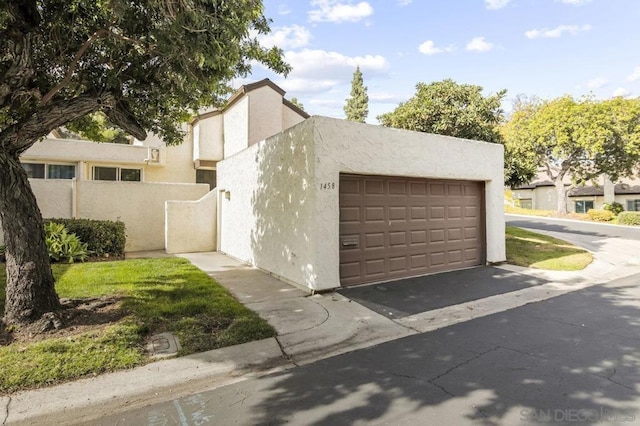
(545, 198)
(236, 127)
(265, 112)
(66, 150)
(289, 117)
(55, 197)
(280, 216)
(178, 162)
(190, 226)
(208, 139)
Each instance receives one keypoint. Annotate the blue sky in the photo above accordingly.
(545, 48)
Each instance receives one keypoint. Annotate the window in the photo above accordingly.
(206, 176)
(583, 206)
(34, 171)
(49, 171)
(526, 203)
(60, 171)
(633, 205)
(117, 174)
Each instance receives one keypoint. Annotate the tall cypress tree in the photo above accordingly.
(357, 106)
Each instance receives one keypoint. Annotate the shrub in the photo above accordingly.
(103, 237)
(63, 246)
(615, 208)
(629, 218)
(600, 215)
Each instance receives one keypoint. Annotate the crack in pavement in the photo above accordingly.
(6, 415)
(326, 318)
(463, 363)
(284, 353)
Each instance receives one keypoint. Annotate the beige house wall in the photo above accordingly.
(236, 127)
(208, 139)
(265, 113)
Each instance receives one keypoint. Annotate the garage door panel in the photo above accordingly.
(408, 226)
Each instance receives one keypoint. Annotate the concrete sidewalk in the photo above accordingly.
(309, 327)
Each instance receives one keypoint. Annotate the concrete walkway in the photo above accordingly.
(309, 327)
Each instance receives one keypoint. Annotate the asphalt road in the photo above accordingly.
(588, 230)
(574, 358)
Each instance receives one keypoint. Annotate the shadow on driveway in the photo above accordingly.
(398, 299)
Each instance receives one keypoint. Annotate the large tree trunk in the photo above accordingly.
(561, 195)
(30, 283)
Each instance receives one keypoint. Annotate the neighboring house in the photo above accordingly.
(85, 179)
(318, 202)
(542, 195)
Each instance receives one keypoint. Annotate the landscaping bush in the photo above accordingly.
(629, 218)
(63, 246)
(615, 208)
(600, 215)
(103, 237)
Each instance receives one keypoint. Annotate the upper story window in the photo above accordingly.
(49, 171)
(117, 174)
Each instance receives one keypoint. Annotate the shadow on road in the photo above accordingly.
(576, 352)
(410, 296)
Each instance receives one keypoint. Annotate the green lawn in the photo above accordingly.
(526, 248)
(157, 295)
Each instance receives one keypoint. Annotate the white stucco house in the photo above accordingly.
(318, 202)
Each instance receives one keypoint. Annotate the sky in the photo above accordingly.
(543, 48)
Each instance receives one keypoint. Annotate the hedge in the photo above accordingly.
(600, 215)
(629, 218)
(103, 237)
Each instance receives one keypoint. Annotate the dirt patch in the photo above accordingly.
(76, 316)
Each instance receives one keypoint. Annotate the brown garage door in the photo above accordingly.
(393, 227)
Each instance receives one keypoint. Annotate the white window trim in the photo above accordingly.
(46, 165)
(118, 172)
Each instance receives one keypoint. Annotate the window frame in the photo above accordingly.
(47, 164)
(584, 209)
(635, 203)
(118, 173)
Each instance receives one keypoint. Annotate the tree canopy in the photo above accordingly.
(581, 139)
(357, 106)
(452, 109)
(147, 65)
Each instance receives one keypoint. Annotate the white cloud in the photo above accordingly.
(429, 48)
(404, 2)
(292, 37)
(496, 4)
(336, 11)
(635, 75)
(574, 2)
(597, 83)
(621, 91)
(316, 71)
(386, 98)
(479, 44)
(283, 9)
(557, 32)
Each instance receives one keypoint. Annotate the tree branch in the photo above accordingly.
(20, 71)
(19, 137)
(74, 64)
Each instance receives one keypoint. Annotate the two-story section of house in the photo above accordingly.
(132, 182)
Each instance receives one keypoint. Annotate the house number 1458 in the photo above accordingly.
(327, 185)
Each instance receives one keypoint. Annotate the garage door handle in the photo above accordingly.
(349, 244)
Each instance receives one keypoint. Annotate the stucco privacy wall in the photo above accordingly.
(139, 205)
(190, 226)
(283, 209)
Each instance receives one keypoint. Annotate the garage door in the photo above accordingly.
(393, 227)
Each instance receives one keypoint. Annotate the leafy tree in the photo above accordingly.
(297, 103)
(581, 139)
(96, 127)
(147, 65)
(452, 109)
(357, 106)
